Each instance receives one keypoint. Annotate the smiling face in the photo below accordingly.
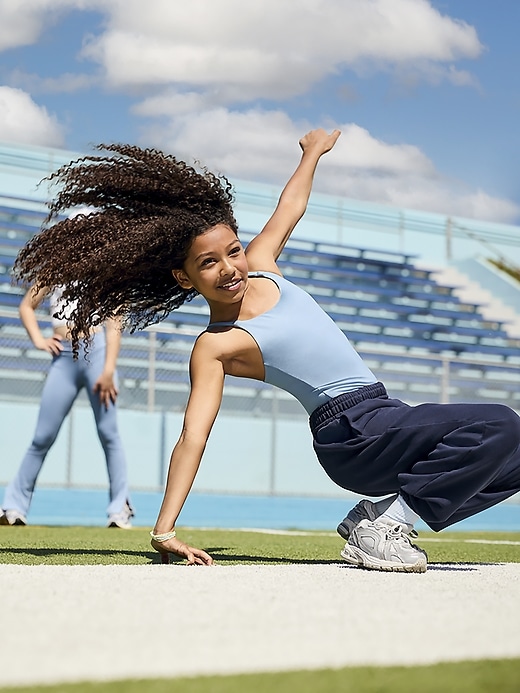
(216, 267)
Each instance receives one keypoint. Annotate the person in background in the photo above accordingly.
(96, 372)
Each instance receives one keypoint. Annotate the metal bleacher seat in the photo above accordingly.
(380, 299)
(392, 303)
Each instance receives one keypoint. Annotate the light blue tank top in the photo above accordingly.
(303, 350)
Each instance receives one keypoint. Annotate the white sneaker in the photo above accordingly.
(12, 517)
(121, 519)
(384, 545)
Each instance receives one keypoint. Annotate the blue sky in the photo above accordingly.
(426, 93)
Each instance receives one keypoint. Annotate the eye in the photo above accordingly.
(236, 250)
(206, 261)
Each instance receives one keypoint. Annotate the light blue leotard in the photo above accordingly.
(303, 350)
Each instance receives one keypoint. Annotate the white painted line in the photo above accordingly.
(298, 533)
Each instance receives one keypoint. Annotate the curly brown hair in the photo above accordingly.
(116, 260)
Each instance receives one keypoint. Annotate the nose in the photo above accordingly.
(226, 267)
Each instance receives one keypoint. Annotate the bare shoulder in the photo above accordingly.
(219, 343)
(228, 348)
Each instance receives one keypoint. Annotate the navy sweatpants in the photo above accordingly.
(448, 461)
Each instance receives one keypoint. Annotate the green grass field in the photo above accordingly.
(499, 676)
(92, 545)
(97, 545)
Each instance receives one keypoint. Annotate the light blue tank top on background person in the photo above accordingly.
(303, 350)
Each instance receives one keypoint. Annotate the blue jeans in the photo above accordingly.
(64, 382)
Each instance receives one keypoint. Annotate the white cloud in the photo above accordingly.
(22, 21)
(255, 144)
(20, 24)
(485, 206)
(263, 146)
(438, 194)
(193, 63)
(272, 49)
(359, 150)
(67, 82)
(22, 120)
(170, 103)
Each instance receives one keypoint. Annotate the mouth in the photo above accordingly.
(232, 285)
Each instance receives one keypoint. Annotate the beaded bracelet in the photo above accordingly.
(162, 537)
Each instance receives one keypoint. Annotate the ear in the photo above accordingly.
(182, 279)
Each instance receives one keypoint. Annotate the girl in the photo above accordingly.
(66, 377)
(164, 232)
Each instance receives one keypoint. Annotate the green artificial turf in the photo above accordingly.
(99, 545)
(496, 676)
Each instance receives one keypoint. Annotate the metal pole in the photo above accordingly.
(162, 451)
(449, 239)
(401, 232)
(339, 218)
(70, 447)
(152, 350)
(445, 380)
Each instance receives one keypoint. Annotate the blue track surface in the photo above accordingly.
(87, 507)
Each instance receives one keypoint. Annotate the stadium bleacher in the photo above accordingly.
(388, 307)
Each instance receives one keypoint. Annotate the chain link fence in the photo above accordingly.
(153, 375)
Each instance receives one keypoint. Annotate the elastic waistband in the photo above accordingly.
(348, 399)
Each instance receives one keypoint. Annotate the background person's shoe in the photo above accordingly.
(383, 545)
(368, 510)
(12, 517)
(121, 519)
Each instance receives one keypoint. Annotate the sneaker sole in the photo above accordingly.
(18, 522)
(355, 556)
(119, 526)
(349, 557)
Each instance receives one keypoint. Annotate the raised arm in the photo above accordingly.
(264, 249)
(207, 382)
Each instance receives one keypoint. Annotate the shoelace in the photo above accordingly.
(397, 533)
(412, 534)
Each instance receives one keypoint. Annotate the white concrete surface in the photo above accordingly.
(72, 623)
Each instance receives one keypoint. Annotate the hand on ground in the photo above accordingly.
(192, 555)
